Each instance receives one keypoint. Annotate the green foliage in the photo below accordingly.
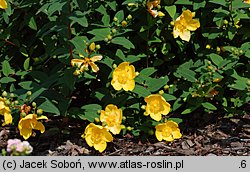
(209, 73)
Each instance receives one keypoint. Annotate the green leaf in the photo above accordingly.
(154, 84)
(123, 41)
(171, 10)
(99, 34)
(141, 91)
(32, 23)
(48, 106)
(177, 120)
(79, 44)
(189, 110)
(24, 52)
(169, 97)
(216, 59)
(5, 80)
(7, 70)
(178, 103)
(209, 106)
(27, 85)
(91, 112)
(187, 74)
(148, 71)
(37, 93)
(106, 20)
(80, 20)
(120, 15)
(92, 107)
(26, 64)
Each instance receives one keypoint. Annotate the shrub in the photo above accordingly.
(77, 58)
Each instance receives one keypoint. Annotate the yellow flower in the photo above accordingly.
(3, 4)
(112, 118)
(123, 77)
(184, 24)
(5, 111)
(167, 131)
(247, 1)
(156, 106)
(97, 136)
(29, 122)
(84, 63)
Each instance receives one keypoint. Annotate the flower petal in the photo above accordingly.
(7, 119)
(193, 25)
(42, 117)
(176, 134)
(166, 110)
(3, 4)
(117, 86)
(39, 126)
(156, 116)
(185, 35)
(26, 133)
(77, 62)
(108, 137)
(100, 146)
(158, 135)
(129, 86)
(94, 67)
(96, 58)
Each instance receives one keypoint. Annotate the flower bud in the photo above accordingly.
(23, 114)
(123, 126)
(109, 37)
(113, 31)
(12, 95)
(137, 73)
(92, 46)
(161, 92)
(166, 87)
(129, 17)
(208, 46)
(39, 112)
(4, 94)
(34, 104)
(29, 93)
(97, 120)
(161, 14)
(129, 128)
(106, 39)
(143, 107)
(218, 49)
(98, 47)
(225, 22)
(124, 23)
(114, 65)
(115, 19)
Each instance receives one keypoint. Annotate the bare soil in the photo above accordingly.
(201, 137)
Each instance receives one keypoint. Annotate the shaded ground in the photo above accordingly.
(222, 136)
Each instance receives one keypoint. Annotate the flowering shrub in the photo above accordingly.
(128, 66)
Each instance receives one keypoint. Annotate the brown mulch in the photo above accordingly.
(221, 137)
